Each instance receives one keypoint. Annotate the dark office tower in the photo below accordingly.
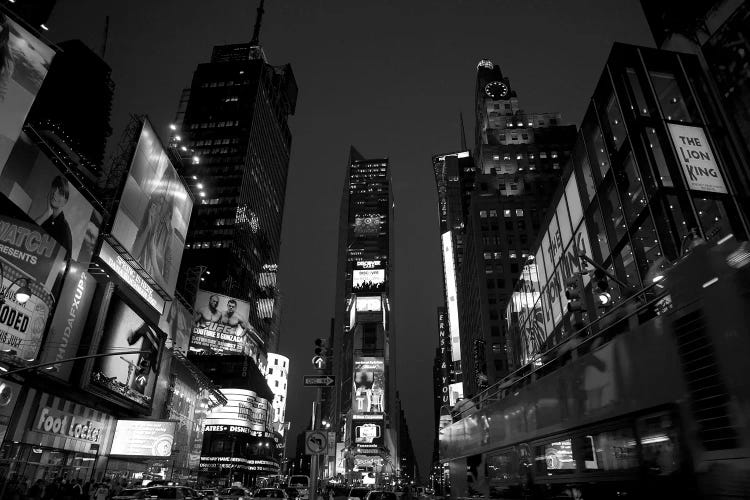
(454, 175)
(34, 12)
(235, 125)
(519, 161)
(717, 31)
(72, 110)
(363, 336)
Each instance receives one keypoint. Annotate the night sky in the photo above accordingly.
(389, 77)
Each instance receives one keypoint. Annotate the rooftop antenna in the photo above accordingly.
(256, 30)
(106, 36)
(463, 131)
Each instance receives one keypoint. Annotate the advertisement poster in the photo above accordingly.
(367, 224)
(222, 327)
(24, 62)
(154, 211)
(143, 438)
(367, 431)
(68, 321)
(245, 412)
(131, 376)
(8, 396)
(369, 385)
(368, 279)
(35, 185)
(176, 322)
(696, 158)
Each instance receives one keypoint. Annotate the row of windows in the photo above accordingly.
(227, 123)
(215, 142)
(216, 151)
(506, 213)
(209, 244)
(229, 83)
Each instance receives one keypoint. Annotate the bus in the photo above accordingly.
(651, 400)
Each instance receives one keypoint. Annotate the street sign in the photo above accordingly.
(316, 443)
(319, 362)
(318, 380)
(331, 444)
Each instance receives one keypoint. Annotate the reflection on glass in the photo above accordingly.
(588, 178)
(659, 447)
(652, 140)
(670, 97)
(675, 210)
(646, 245)
(639, 106)
(631, 189)
(611, 450)
(626, 261)
(555, 458)
(713, 217)
(616, 126)
(613, 217)
(595, 144)
(601, 235)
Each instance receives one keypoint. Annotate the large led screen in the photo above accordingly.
(368, 279)
(222, 326)
(132, 376)
(154, 211)
(34, 184)
(144, 438)
(24, 62)
(245, 412)
(369, 385)
(367, 430)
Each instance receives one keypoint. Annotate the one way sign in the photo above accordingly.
(319, 380)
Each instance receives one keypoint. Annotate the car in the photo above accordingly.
(129, 494)
(381, 495)
(292, 492)
(235, 493)
(168, 493)
(271, 493)
(209, 493)
(358, 493)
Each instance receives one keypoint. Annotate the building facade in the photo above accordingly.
(365, 413)
(649, 178)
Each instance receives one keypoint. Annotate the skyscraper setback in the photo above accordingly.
(491, 209)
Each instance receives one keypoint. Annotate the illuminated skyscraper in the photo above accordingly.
(366, 412)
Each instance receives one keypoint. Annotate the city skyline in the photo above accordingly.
(422, 83)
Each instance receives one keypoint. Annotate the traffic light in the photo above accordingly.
(574, 292)
(601, 287)
(321, 347)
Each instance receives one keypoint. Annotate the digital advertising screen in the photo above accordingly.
(367, 224)
(35, 185)
(24, 62)
(367, 430)
(154, 211)
(132, 376)
(143, 438)
(222, 326)
(368, 279)
(245, 413)
(369, 385)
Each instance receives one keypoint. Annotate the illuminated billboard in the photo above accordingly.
(177, 323)
(129, 275)
(143, 438)
(24, 62)
(154, 211)
(245, 413)
(222, 326)
(451, 295)
(368, 279)
(368, 304)
(132, 376)
(368, 430)
(696, 158)
(367, 224)
(34, 184)
(27, 252)
(369, 385)
(455, 392)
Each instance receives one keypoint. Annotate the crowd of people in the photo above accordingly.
(62, 489)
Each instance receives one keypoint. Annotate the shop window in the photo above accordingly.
(659, 446)
(631, 189)
(657, 154)
(611, 450)
(670, 97)
(713, 217)
(616, 125)
(555, 458)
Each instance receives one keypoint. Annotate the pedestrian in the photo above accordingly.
(102, 491)
(78, 489)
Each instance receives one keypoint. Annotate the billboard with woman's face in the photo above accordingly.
(154, 211)
(24, 62)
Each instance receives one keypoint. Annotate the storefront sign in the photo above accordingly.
(145, 438)
(117, 264)
(65, 424)
(697, 159)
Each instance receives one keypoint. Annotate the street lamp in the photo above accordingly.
(23, 294)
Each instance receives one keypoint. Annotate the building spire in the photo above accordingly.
(463, 131)
(256, 30)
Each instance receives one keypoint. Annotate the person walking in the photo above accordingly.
(102, 492)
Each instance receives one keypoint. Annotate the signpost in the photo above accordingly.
(319, 362)
(316, 443)
(318, 380)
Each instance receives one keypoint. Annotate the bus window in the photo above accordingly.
(658, 444)
(555, 458)
(610, 450)
(503, 466)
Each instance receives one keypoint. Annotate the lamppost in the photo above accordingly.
(23, 294)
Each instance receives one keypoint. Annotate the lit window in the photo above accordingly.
(543, 154)
(487, 255)
(493, 213)
(506, 213)
(495, 157)
(519, 212)
(483, 214)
